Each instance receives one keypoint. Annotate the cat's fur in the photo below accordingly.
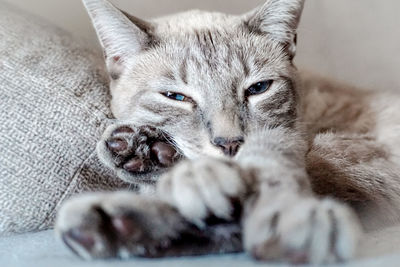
(304, 138)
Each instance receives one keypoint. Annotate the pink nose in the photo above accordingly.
(230, 146)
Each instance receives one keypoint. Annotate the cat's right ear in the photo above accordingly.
(277, 19)
(121, 35)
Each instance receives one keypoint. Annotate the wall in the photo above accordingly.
(352, 40)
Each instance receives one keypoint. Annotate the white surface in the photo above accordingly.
(43, 250)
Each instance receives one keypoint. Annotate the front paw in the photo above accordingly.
(118, 225)
(301, 230)
(123, 225)
(136, 154)
(204, 189)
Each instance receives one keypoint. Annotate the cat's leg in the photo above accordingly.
(359, 170)
(123, 224)
(137, 154)
(284, 221)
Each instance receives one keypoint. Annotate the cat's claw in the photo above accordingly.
(136, 154)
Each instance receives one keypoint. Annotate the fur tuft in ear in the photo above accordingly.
(121, 35)
(278, 19)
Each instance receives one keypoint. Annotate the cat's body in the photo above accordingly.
(355, 147)
(220, 94)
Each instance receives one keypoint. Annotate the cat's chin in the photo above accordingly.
(212, 151)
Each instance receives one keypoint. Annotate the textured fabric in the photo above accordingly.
(53, 107)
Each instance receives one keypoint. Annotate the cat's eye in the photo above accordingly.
(259, 88)
(175, 96)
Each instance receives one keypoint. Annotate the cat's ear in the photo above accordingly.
(278, 19)
(121, 35)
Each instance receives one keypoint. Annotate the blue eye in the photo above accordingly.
(259, 88)
(175, 96)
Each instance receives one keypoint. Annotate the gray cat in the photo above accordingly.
(233, 148)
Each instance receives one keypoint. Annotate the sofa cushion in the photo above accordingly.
(54, 107)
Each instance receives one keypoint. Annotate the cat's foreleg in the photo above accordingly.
(283, 221)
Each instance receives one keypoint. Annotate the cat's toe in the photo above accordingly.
(121, 130)
(86, 229)
(88, 244)
(203, 189)
(76, 237)
(302, 231)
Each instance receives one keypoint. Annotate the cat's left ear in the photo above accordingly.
(277, 19)
(121, 35)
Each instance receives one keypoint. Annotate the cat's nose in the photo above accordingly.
(230, 146)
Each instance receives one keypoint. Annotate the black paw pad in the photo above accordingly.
(165, 153)
(117, 145)
(139, 150)
(136, 165)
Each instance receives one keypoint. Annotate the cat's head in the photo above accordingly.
(205, 78)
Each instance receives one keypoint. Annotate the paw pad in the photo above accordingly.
(117, 145)
(165, 153)
(137, 150)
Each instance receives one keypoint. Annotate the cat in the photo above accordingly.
(233, 148)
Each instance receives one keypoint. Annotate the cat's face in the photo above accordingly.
(207, 79)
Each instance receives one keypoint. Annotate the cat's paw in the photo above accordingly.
(203, 189)
(301, 231)
(136, 154)
(118, 225)
(124, 225)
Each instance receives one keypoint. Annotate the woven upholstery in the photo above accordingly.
(53, 108)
